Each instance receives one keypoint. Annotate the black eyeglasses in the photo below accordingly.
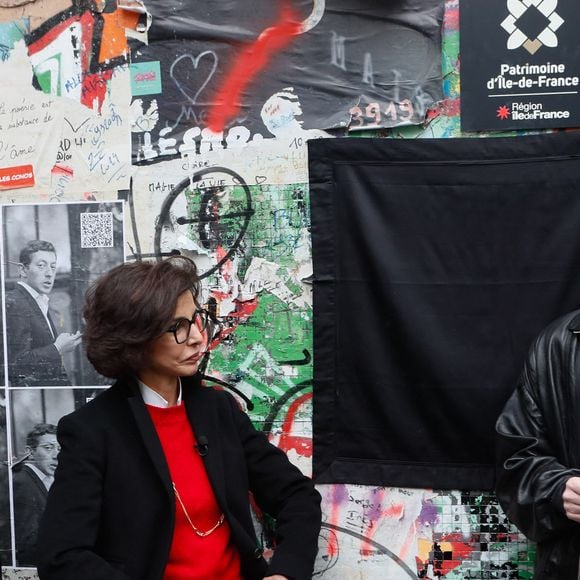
(182, 327)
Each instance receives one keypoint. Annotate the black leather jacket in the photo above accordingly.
(538, 448)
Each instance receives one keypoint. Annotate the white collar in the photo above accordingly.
(34, 293)
(153, 398)
(46, 479)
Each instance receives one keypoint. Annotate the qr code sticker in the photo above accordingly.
(97, 230)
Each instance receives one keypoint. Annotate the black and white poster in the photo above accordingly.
(52, 252)
(520, 64)
(35, 414)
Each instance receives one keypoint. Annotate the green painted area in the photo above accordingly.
(44, 81)
(264, 354)
(259, 350)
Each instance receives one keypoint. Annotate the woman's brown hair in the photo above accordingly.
(129, 307)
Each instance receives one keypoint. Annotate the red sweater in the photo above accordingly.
(193, 557)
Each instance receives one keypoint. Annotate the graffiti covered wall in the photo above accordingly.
(120, 140)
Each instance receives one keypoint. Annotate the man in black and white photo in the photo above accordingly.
(34, 346)
(31, 480)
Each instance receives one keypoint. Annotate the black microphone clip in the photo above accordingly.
(202, 445)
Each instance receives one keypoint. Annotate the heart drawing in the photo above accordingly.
(191, 74)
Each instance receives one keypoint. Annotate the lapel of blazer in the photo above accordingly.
(149, 434)
(33, 304)
(52, 324)
(40, 487)
(203, 419)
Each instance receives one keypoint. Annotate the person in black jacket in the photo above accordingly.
(538, 450)
(127, 499)
(31, 481)
(34, 345)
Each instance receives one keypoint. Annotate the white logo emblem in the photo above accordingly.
(547, 37)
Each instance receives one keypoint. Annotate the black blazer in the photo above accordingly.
(33, 360)
(29, 503)
(110, 512)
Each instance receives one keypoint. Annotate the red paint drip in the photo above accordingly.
(376, 498)
(94, 88)
(242, 311)
(339, 496)
(248, 64)
(395, 511)
(302, 445)
(58, 169)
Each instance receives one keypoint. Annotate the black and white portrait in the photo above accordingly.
(52, 252)
(35, 414)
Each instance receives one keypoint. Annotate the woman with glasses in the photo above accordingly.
(155, 474)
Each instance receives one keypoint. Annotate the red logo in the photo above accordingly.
(144, 76)
(503, 112)
(17, 176)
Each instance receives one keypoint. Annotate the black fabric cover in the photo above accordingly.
(436, 262)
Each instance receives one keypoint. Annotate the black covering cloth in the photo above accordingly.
(436, 263)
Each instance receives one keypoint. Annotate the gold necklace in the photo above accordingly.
(194, 528)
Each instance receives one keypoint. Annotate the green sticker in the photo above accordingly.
(145, 78)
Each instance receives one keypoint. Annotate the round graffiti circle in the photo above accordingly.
(215, 220)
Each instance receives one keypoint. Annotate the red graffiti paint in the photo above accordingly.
(242, 311)
(87, 25)
(378, 499)
(451, 16)
(94, 85)
(446, 107)
(339, 497)
(94, 89)
(460, 551)
(248, 64)
(302, 445)
(374, 513)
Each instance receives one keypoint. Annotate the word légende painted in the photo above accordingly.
(195, 141)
